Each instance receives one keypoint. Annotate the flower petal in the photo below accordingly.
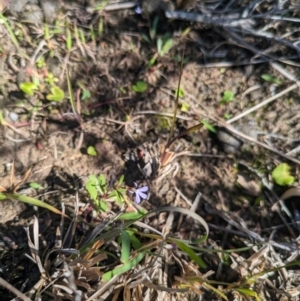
(137, 198)
(143, 188)
(141, 195)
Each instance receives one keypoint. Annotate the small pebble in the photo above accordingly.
(18, 6)
(250, 129)
(13, 116)
(32, 14)
(230, 144)
(50, 9)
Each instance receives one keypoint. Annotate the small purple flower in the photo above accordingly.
(139, 193)
(138, 10)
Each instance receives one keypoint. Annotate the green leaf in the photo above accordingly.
(179, 92)
(82, 37)
(86, 94)
(91, 187)
(1, 118)
(91, 151)
(227, 116)
(118, 195)
(248, 293)
(281, 175)
(9, 30)
(186, 31)
(125, 252)
(57, 94)
(153, 28)
(208, 126)
(47, 32)
(103, 206)
(228, 96)
(152, 61)
(185, 248)
(121, 180)
(29, 200)
(271, 79)
(100, 26)
(146, 38)
(131, 215)
(159, 43)
(134, 240)
(166, 47)
(102, 183)
(51, 79)
(139, 87)
(185, 107)
(36, 186)
(123, 268)
(28, 88)
(69, 40)
(41, 62)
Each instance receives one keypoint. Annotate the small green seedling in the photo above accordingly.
(28, 88)
(36, 186)
(139, 87)
(208, 126)
(281, 175)
(51, 79)
(86, 94)
(122, 90)
(271, 79)
(228, 96)
(227, 116)
(100, 193)
(41, 62)
(185, 107)
(91, 151)
(96, 186)
(180, 93)
(57, 94)
(164, 45)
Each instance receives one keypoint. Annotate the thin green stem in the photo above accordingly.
(10, 31)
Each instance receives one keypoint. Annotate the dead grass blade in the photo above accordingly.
(187, 212)
(290, 193)
(34, 247)
(17, 186)
(263, 103)
(104, 288)
(92, 251)
(72, 227)
(244, 136)
(12, 289)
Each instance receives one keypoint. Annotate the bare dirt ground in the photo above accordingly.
(48, 138)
